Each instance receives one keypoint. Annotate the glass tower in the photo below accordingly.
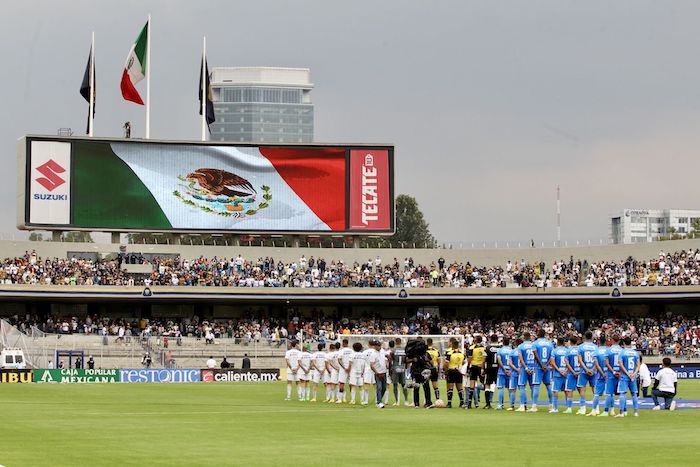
(262, 105)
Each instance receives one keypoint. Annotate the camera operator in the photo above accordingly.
(421, 367)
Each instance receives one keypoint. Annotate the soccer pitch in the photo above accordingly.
(251, 424)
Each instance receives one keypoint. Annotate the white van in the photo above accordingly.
(12, 358)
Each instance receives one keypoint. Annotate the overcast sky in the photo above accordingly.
(490, 104)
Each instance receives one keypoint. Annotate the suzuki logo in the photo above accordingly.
(50, 180)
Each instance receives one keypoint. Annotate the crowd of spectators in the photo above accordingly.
(661, 335)
(680, 268)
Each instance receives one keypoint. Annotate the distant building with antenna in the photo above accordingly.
(262, 105)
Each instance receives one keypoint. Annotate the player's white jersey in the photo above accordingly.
(345, 355)
(358, 364)
(370, 356)
(380, 362)
(320, 361)
(332, 360)
(305, 360)
(292, 356)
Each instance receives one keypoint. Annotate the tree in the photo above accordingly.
(81, 237)
(695, 226)
(36, 237)
(411, 227)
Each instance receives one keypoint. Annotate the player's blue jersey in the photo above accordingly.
(504, 352)
(573, 358)
(544, 348)
(614, 357)
(628, 359)
(528, 352)
(561, 354)
(514, 353)
(602, 354)
(588, 354)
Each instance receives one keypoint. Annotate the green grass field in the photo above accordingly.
(251, 424)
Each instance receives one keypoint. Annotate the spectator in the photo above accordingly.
(245, 364)
(211, 363)
(225, 364)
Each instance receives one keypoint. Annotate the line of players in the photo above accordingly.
(361, 369)
(570, 367)
(564, 365)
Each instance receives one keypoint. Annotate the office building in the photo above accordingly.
(262, 105)
(647, 225)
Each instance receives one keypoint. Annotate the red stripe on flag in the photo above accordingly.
(317, 176)
(129, 92)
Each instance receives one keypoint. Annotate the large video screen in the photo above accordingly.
(122, 185)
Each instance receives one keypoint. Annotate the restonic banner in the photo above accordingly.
(70, 375)
(240, 375)
(133, 185)
(160, 375)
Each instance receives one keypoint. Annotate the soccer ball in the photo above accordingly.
(439, 403)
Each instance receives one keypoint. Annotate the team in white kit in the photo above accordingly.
(336, 369)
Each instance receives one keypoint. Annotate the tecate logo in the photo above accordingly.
(369, 191)
(50, 170)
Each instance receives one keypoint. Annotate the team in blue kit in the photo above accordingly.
(570, 366)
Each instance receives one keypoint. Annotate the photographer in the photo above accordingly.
(420, 367)
(665, 386)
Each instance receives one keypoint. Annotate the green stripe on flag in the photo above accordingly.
(106, 193)
(140, 48)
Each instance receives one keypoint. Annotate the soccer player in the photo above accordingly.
(398, 372)
(332, 372)
(612, 375)
(435, 360)
(318, 370)
(491, 369)
(504, 370)
(559, 364)
(292, 358)
(600, 356)
(304, 373)
(344, 356)
(356, 371)
(370, 355)
(527, 369)
(476, 358)
(588, 376)
(629, 369)
(574, 367)
(454, 359)
(543, 374)
(378, 367)
(515, 373)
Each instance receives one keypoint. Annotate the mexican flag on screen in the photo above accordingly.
(135, 67)
(198, 187)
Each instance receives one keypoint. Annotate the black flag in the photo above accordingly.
(85, 88)
(211, 118)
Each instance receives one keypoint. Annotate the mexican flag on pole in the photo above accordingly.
(135, 67)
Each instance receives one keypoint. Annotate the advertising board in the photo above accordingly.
(160, 375)
(240, 375)
(167, 186)
(12, 376)
(71, 375)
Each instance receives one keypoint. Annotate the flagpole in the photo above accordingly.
(148, 79)
(92, 87)
(204, 90)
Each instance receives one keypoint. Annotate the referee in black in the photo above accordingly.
(491, 369)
